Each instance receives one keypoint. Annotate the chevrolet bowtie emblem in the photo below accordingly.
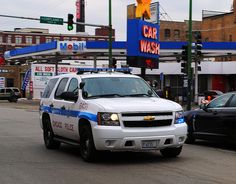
(149, 118)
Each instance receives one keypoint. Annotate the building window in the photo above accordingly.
(1, 39)
(18, 39)
(8, 39)
(48, 39)
(66, 39)
(56, 39)
(37, 41)
(176, 33)
(83, 39)
(28, 40)
(74, 39)
(167, 33)
(91, 39)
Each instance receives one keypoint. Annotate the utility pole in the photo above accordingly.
(110, 35)
(189, 93)
(196, 82)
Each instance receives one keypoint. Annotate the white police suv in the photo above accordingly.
(109, 110)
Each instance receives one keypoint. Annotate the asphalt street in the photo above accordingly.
(25, 160)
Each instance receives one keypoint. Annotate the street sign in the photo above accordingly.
(51, 20)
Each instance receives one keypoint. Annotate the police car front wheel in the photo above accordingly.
(87, 148)
(48, 136)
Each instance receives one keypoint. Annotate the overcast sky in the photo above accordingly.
(97, 12)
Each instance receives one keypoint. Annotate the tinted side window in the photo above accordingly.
(61, 88)
(73, 86)
(233, 102)
(16, 90)
(48, 90)
(8, 90)
(219, 102)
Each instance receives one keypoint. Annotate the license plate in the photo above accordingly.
(149, 144)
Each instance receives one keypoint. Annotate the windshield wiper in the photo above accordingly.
(137, 95)
(106, 95)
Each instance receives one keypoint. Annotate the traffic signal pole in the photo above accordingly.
(189, 93)
(110, 35)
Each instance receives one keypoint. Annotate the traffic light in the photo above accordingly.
(198, 48)
(184, 68)
(70, 22)
(184, 54)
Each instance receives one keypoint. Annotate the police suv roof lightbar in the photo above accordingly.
(96, 70)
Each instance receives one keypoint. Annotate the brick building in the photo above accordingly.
(176, 31)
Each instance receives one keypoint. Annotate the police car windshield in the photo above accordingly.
(116, 87)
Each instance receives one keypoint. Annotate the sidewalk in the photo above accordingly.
(23, 103)
(26, 101)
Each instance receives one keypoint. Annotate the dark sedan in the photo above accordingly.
(213, 121)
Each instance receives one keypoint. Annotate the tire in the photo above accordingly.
(14, 99)
(171, 152)
(87, 148)
(190, 138)
(48, 136)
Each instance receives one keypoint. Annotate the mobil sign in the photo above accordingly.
(71, 46)
(143, 45)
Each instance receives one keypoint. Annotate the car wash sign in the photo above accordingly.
(143, 45)
(72, 46)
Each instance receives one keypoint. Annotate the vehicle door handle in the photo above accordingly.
(63, 108)
(51, 105)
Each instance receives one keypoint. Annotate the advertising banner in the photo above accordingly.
(26, 79)
(42, 73)
(143, 46)
(2, 82)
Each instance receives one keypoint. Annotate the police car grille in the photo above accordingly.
(155, 123)
(147, 114)
(160, 119)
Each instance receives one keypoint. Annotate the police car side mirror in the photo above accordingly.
(81, 85)
(69, 96)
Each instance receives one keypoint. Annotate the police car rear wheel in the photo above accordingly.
(171, 152)
(87, 148)
(48, 136)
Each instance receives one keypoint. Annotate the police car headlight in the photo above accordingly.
(108, 119)
(179, 118)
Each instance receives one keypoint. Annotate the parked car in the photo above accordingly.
(10, 93)
(213, 121)
(211, 94)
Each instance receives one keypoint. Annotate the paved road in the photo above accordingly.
(24, 160)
